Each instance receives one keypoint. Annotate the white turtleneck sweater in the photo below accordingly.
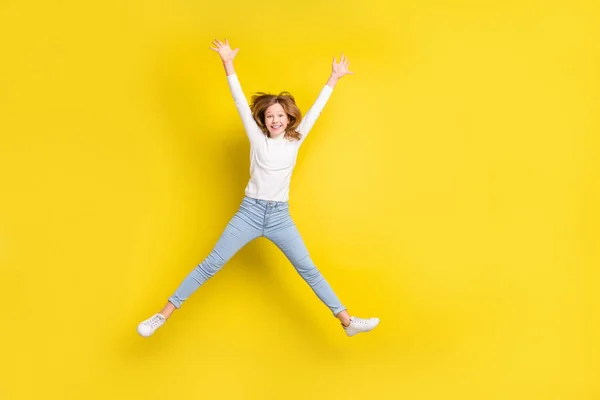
(272, 161)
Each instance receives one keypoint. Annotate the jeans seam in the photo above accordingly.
(264, 222)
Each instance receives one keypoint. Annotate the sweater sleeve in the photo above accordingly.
(250, 126)
(314, 112)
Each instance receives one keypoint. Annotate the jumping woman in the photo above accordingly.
(276, 130)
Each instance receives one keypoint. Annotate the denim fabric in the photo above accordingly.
(256, 218)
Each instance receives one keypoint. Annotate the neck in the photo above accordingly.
(280, 136)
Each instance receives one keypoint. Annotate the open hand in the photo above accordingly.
(340, 69)
(224, 50)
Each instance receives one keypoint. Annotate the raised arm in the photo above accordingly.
(227, 55)
(338, 70)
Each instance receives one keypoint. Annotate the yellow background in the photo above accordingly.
(450, 188)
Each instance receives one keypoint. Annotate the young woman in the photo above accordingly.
(276, 131)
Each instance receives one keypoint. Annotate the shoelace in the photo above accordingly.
(359, 321)
(154, 321)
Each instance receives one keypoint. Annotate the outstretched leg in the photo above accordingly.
(282, 231)
(236, 235)
(285, 235)
(240, 230)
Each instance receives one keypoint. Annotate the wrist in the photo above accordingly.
(333, 79)
(228, 65)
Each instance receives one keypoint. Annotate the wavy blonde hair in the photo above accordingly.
(261, 101)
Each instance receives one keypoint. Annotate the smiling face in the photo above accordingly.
(276, 120)
(276, 115)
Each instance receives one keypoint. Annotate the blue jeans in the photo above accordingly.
(256, 218)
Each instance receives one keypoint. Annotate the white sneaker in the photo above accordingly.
(358, 325)
(149, 326)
